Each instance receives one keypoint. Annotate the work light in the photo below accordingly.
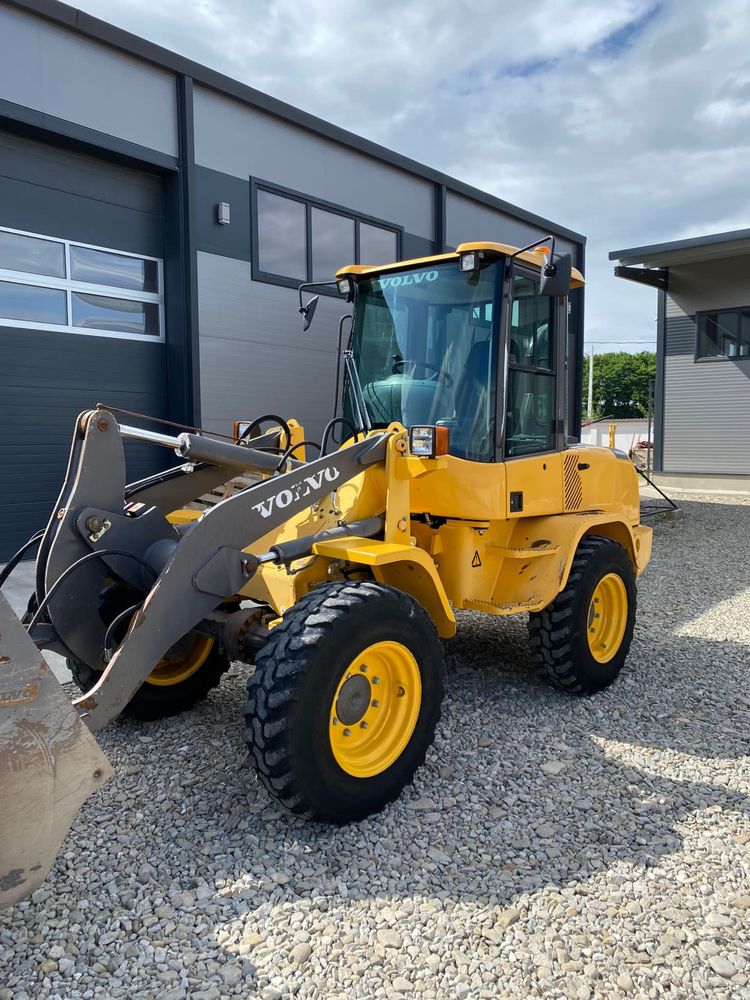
(470, 261)
(428, 441)
(344, 286)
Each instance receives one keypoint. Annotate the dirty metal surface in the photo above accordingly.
(49, 762)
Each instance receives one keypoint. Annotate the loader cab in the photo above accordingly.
(477, 349)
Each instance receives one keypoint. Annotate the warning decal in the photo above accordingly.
(476, 561)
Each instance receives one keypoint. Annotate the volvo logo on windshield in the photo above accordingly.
(415, 278)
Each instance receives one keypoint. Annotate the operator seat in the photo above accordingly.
(470, 431)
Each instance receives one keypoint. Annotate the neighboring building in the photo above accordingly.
(629, 432)
(155, 219)
(702, 393)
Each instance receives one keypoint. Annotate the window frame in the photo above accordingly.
(284, 281)
(70, 287)
(558, 340)
(699, 317)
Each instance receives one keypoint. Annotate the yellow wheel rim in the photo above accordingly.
(181, 661)
(608, 617)
(375, 709)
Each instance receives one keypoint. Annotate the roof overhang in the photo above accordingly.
(690, 251)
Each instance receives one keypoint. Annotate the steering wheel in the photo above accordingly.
(438, 374)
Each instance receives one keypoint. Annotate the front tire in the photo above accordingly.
(581, 640)
(344, 701)
(193, 667)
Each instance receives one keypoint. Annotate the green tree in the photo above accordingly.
(620, 383)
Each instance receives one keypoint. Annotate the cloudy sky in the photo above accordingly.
(628, 120)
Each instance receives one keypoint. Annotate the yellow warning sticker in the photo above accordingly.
(476, 561)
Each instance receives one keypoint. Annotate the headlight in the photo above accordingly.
(429, 442)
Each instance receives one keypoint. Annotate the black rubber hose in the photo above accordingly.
(261, 420)
(113, 625)
(18, 556)
(287, 454)
(79, 562)
(329, 428)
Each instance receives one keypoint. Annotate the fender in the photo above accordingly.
(405, 567)
(568, 530)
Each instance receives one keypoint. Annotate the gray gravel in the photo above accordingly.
(549, 848)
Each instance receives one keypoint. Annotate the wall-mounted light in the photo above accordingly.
(222, 213)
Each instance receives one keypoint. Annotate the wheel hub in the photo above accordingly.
(607, 618)
(353, 700)
(375, 709)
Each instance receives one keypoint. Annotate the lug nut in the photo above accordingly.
(376, 680)
(363, 725)
(334, 721)
(347, 732)
(375, 703)
(363, 668)
(400, 692)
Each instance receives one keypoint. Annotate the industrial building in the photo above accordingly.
(156, 218)
(702, 392)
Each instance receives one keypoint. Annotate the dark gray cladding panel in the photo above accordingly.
(680, 337)
(76, 173)
(415, 246)
(46, 380)
(53, 213)
(211, 188)
(55, 192)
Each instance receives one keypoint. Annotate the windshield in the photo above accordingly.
(424, 347)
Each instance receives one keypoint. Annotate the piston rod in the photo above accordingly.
(196, 448)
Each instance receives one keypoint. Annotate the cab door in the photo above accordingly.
(533, 402)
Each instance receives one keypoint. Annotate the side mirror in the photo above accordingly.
(308, 311)
(557, 272)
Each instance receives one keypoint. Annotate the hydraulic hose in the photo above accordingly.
(18, 556)
(73, 566)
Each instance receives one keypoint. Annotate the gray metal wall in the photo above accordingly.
(243, 141)
(254, 356)
(706, 424)
(58, 72)
(468, 220)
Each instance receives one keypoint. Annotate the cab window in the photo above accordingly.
(530, 402)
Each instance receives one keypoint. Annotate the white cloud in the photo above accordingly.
(627, 121)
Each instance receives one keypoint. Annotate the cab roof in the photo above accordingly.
(534, 257)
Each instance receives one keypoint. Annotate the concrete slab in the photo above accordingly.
(17, 590)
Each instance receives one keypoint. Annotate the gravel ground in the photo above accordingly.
(550, 847)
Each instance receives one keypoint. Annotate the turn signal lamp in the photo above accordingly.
(429, 442)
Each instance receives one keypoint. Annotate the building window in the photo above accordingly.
(724, 333)
(530, 406)
(299, 240)
(59, 285)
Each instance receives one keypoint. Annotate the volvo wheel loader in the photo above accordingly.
(340, 569)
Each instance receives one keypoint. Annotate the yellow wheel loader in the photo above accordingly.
(339, 569)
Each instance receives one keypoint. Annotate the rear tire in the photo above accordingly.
(337, 769)
(579, 644)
